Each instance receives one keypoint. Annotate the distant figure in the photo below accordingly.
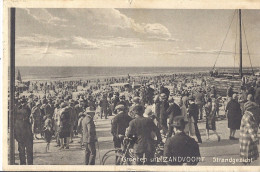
(211, 109)
(200, 101)
(193, 111)
(48, 132)
(230, 92)
(103, 106)
(257, 93)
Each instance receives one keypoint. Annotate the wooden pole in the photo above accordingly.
(240, 44)
(12, 87)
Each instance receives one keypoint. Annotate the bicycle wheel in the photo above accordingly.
(112, 157)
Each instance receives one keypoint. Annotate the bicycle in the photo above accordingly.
(119, 156)
(125, 155)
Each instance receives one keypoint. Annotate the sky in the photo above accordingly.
(134, 37)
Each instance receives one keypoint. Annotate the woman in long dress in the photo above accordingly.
(211, 109)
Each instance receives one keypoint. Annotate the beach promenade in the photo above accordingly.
(211, 150)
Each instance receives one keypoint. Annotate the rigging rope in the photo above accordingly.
(224, 39)
(235, 46)
(247, 47)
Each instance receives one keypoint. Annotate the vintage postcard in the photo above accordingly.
(133, 85)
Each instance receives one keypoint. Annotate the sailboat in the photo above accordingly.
(222, 79)
(18, 76)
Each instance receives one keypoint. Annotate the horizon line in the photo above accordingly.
(148, 66)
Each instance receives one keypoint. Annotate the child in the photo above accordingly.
(47, 131)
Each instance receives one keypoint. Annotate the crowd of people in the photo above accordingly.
(150, 114)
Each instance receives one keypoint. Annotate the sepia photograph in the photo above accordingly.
(145, 87)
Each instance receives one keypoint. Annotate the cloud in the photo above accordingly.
(39, 41)
(43, 16)
(197, 51)
(39, 38)
(116, 23)
(84, 43)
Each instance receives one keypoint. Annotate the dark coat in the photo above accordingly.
(199, 98)
(119, 124)
(143, 128)
(173, 111)
(230, 92)
(88, 130)
(181, 145)
(193, 111)
(234, 114)
(22, 125)
(257, 96)
(164, 105)
(65, 123)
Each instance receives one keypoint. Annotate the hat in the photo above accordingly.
(116, 93)
(63, 105)
(120, 107)
(148, 112)
(178, 121)
(191, 98)
(23, 100)
(71, 101)
(163, 95)
(90, 110)
(136, 99)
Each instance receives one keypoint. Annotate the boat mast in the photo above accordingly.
(240, 44)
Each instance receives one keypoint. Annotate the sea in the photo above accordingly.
(74, 73)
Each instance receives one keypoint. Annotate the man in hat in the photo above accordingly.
(213, 91)
(72, 118)
(23, 132)
(78, 109)
(193, 111)
(115, 100)
(173, 111)
(164, 105)
(181, 148)
(119, 125)
(64, 132)
(200, 101)
(122, 101)
(103, 106)
(144, 129)
(89, 136)
(136, 101)
(150, 94)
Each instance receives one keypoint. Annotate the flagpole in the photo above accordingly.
(12, 87)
